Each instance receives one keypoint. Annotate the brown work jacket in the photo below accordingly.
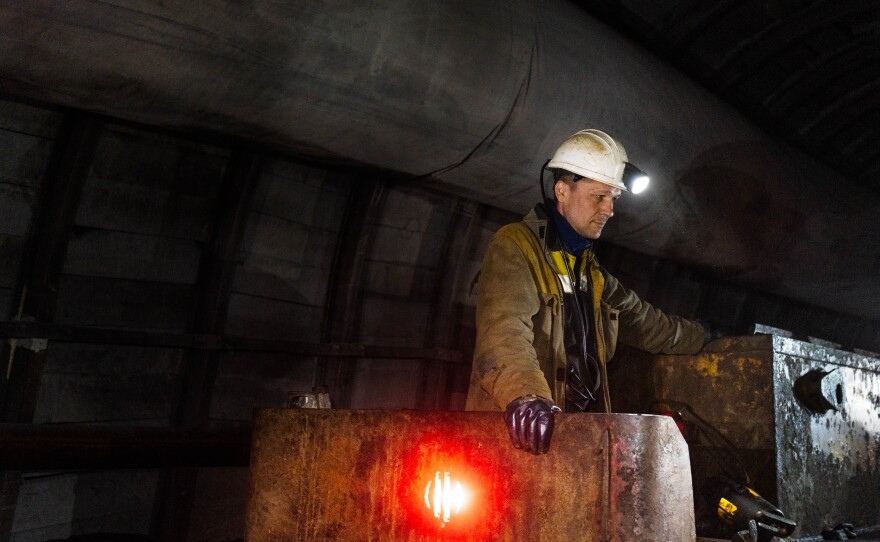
(520, 346)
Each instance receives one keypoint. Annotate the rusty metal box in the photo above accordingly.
(354, 476)
(821, 468)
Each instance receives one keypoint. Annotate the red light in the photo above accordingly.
(450, 484)
(447, 498)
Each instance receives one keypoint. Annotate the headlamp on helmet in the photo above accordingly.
(635, 180)
(595, 155)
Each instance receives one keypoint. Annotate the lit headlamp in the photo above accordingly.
(634, 179)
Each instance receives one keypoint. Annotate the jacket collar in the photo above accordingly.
(546, 230)
(536, 220)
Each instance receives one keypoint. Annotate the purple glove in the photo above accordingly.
(529, 421)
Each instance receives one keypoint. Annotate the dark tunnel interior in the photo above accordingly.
(210, 209)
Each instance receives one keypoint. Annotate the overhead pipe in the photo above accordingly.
(472, 96)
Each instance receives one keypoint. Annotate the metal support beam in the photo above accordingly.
(177, 492)
(215, 280)
(446, 313)
(215, 342)
(341, 305)
(66, 175)
(76, 446)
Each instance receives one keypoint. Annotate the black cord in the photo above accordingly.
(541, 183)
(589, 361)
(716, 439)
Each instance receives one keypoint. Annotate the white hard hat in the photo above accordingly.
(592, 154)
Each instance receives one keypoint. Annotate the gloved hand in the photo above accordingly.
(529, 421)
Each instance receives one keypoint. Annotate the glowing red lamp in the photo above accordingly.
(445, 496)
(386, 476)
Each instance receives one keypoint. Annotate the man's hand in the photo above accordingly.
(529, 421)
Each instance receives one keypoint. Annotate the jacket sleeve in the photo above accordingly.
(507, 301)
(648, 328)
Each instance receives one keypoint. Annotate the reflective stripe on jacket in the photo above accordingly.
(520, 338)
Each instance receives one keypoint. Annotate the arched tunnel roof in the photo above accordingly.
(472, 97)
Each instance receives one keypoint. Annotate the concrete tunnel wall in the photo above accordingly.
(472, 96)
(132, 262)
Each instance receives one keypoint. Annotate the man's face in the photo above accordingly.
(587, 205)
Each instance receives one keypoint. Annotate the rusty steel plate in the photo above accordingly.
(379, 476)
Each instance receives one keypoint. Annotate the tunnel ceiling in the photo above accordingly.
(471, 97)
(807, 71)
